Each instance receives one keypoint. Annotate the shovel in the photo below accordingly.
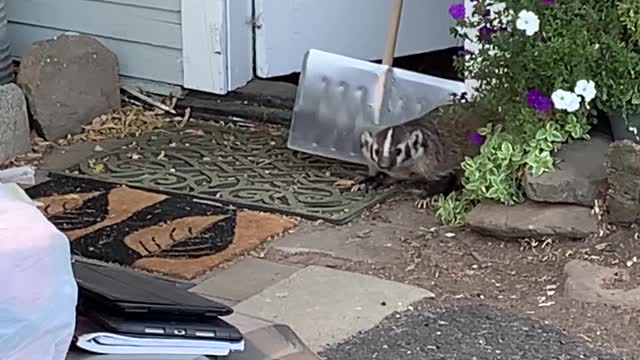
(339, 97)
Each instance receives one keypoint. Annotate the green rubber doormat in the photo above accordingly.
(245, 166)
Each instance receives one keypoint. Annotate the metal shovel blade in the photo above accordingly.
(335, 102)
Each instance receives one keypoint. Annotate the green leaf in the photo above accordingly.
(492, 193)
(546, 146)
(507, 148)
(555, 136)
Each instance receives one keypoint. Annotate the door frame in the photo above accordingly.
(217, 44)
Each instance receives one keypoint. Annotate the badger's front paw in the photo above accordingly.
(369, 183)
(425, 201)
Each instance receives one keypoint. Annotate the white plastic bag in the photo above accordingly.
(24, 175)
(38, 291)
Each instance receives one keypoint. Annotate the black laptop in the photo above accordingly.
(127, 291)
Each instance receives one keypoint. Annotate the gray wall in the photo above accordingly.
(145, 34)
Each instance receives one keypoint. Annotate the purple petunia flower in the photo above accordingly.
(456, 11)
(485, 32)
(538, 100)
(547, 2)
(464, 52)
(477, 138)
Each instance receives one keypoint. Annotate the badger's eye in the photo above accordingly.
(377, 152)
(398, 151)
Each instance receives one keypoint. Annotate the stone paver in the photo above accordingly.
(243, 279)
(326, 306)
(379, 243)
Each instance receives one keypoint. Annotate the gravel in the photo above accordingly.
(471, 331)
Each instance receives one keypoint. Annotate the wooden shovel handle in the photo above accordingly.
(392, 32)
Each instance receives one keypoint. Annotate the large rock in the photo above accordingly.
(68, 81)
(623, 198)
(14, 123)
(531, 219)
(579, 177)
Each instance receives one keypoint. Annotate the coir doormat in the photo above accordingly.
(249, 167)
(173, 235)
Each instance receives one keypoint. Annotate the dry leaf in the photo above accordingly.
(99, 168)
(185, 119)
(343, 183)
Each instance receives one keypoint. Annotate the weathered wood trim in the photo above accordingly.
(204, 45)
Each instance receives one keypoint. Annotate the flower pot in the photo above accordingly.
(619, 126)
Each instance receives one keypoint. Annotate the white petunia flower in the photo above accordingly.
(565, 100)
(528, 22)
(560, 99)
(496, 8)
(587, 89)
(499, 11)
(573, 102)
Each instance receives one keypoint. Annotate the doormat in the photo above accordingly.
(173, 235)
(248, 167)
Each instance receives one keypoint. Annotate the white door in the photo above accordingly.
(286, 29)
(217, 44)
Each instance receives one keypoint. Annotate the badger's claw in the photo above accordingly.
(423, 203)
(369, 183)
(360, 187)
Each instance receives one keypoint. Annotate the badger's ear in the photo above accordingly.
(416, 139)
(366, 139)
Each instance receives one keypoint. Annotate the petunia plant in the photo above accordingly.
(629, 12)
(536, 64)
(619, 78)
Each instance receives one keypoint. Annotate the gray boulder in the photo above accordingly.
(579, 177)
(623, 197)
(532, 219)
(15, 136)
(68, 81)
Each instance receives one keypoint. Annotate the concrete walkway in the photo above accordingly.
(323, 306)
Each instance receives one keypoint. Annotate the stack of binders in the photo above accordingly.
(121, 311)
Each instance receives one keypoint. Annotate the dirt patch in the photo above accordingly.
(460, 266)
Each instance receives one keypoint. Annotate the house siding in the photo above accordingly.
(146, 35)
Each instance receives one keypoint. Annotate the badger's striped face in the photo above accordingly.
(391, 148)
